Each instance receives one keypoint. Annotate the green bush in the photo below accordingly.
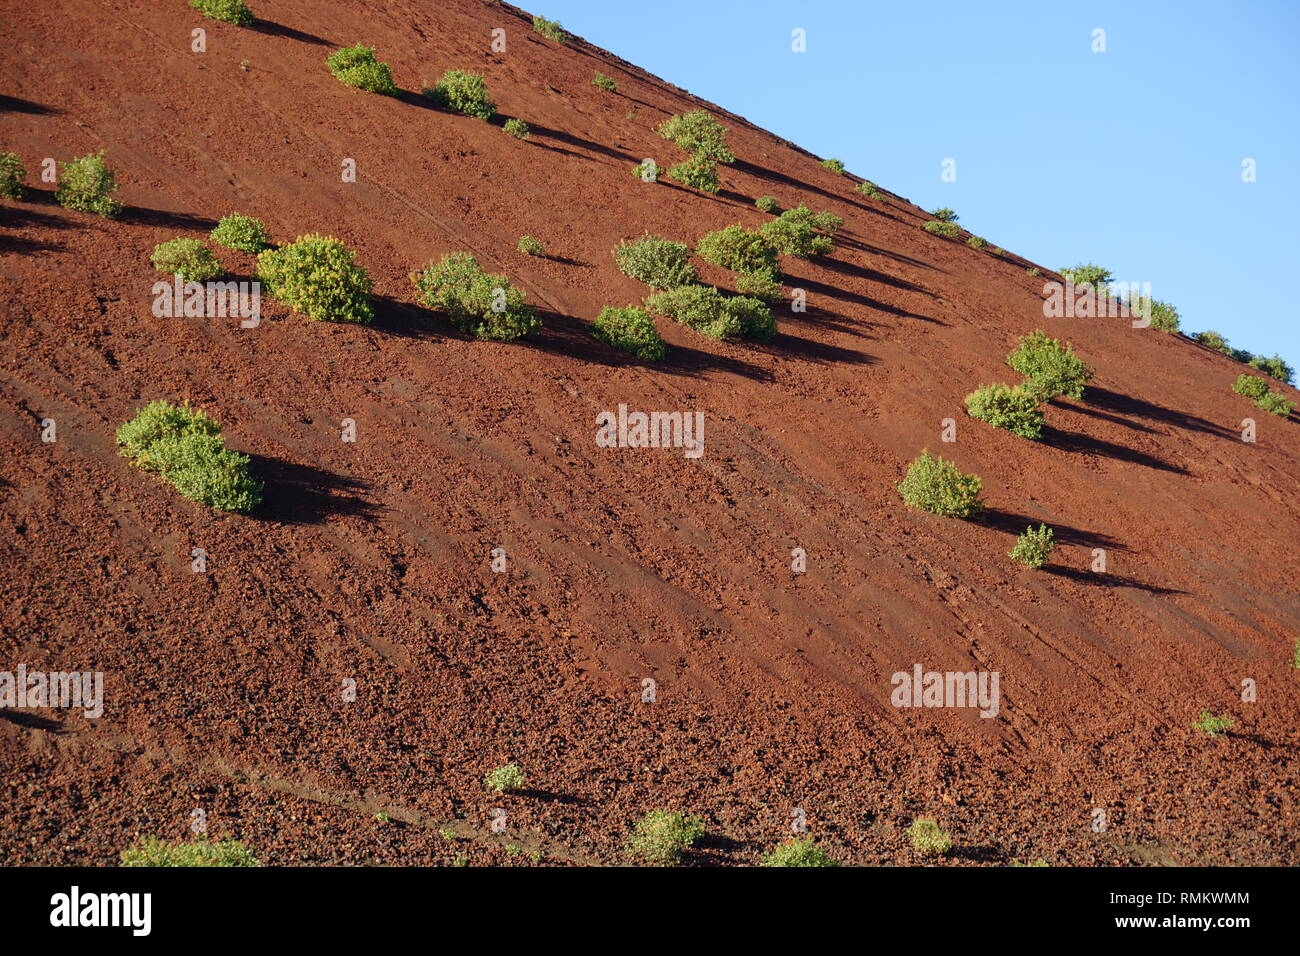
(463, 92)
(1250, 386)
(1275, 404)
(505, 779)
(550, 29)
(827, 222)
(1034, 546)
(1089, 274)
(698, 133)
(486, 306)
(977, 242)
(606, 83)
(760, 285)
(659, 263)
(697, 307)
(1214, 340)
(999, 251)
(821, 245)
(869, 189)
(516, 128)
(318, 276)
(754, 315)
(662, 837)
(1214, 726)
(698, 172)
(938, 486)
(631, 330)
(739, 249)
(834, 165)
(12, 175)
(794, 232)
(799, 853)
(231, 11)
(767, 204)
(646, 171)
(531, 247)
(1274, 366)
(188, 258)
(159, 420)
(150, 851)
(1005, 407)
(357, 66)
(944, 214)
(85, 184)
(927, 838)
(1033, 271)
(1050, 368)
(1162, 315)
(949, 230)
(243, 233)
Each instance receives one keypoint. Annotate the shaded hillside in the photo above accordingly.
(370, 561)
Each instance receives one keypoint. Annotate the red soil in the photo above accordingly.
(371, 560)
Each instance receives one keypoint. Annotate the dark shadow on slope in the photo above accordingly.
(981, 854)
(850, 241)
(549, 796)
(406, 320)
(1015, 524)
(304, 494)
(1087, 445)
(273, 29)
(1106, 580)
(20, 246)
(15, 104)
(813, 315)
(870, 275)
(791, 183)
(830, 291)
(1097, 413)
(18, 217)
(1128, 405)
(141, 216)
(577, 141)
(31, 721)
(821, 353)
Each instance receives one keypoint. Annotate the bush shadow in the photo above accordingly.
(273, 29)
(1128, 405)
(304, 494)
(1080, 443)
(1105, 579)
(1015, 524)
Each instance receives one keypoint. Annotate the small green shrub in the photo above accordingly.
(662, 837)
(827, 222)
(739, 249)
(760, 285)
(188, 258)
(938, 486)
(1034, 546)
(698, 133)
(944, 214)
(767, 204)
(998, 251)
(631, 330)
(793, 233)
(1295, 655)
(698, 172)
(1089, 274)
(463, 92)
(243, 233)
(12, 175)
(318, 276)
(151, 851)
(505, 779)
(697, 307)
(231, 11)
(1250, 386)
(1214, 726)
(1162, 315)
(1274, 367)
(356, 66)
(928, 839)
(516, 127)
(977, 242)
(659, 263)
(606, 83)
(85, 184)
(949, 230)
(531, 247)
(550, 29)
(1275, 404)
(1017, 863)
(1050, 368)
(1005, 407)
(1033, 271)
(1214, 340)
(647, 171)
(159, 420)
(754, 315)
(486, 306)
(869, 189)
(821, 245)
(834, 165)
(799, 853)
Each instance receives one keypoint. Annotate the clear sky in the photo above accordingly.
(1131, 158)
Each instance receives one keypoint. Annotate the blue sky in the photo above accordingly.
(1131, 158)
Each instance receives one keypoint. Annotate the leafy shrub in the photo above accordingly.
(938, 486)
(927, 838)
(793, 233)
(754, 315)
(827, 222)
(231, 11)
(318, 276)
(999, 251)
(550, 29)
(1033, 271)
(357, 66)
(799, 853)
(631, 330)
(698, 172)
(85, 184)
(1274, 366)
(869, 189)
(977, 242)
(463, 92)
(505, 779)
(944, 214)
(1295, 655)
(760, 285)
(1089, 274)
(821, 245)
(1250, 386)
(1214, 726)
(605, 83)
(1162, 315)
(739, 249)
(834, 165)
(516, 128)
(949, 230)
(12, 175)
(1275, 404)
(1050, 368)
(698, 133)
(659, 263)
(243, 233)
(767, 204)
(1005, 407)
(1034, 546)
(1214, 340)
(188, 258)
(531, 247)
(698, 307)
(484, 305)
(661, 836)
(159, 420)
(151, 851)
(646, 171)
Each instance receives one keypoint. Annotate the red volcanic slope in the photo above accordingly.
(370, 561)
